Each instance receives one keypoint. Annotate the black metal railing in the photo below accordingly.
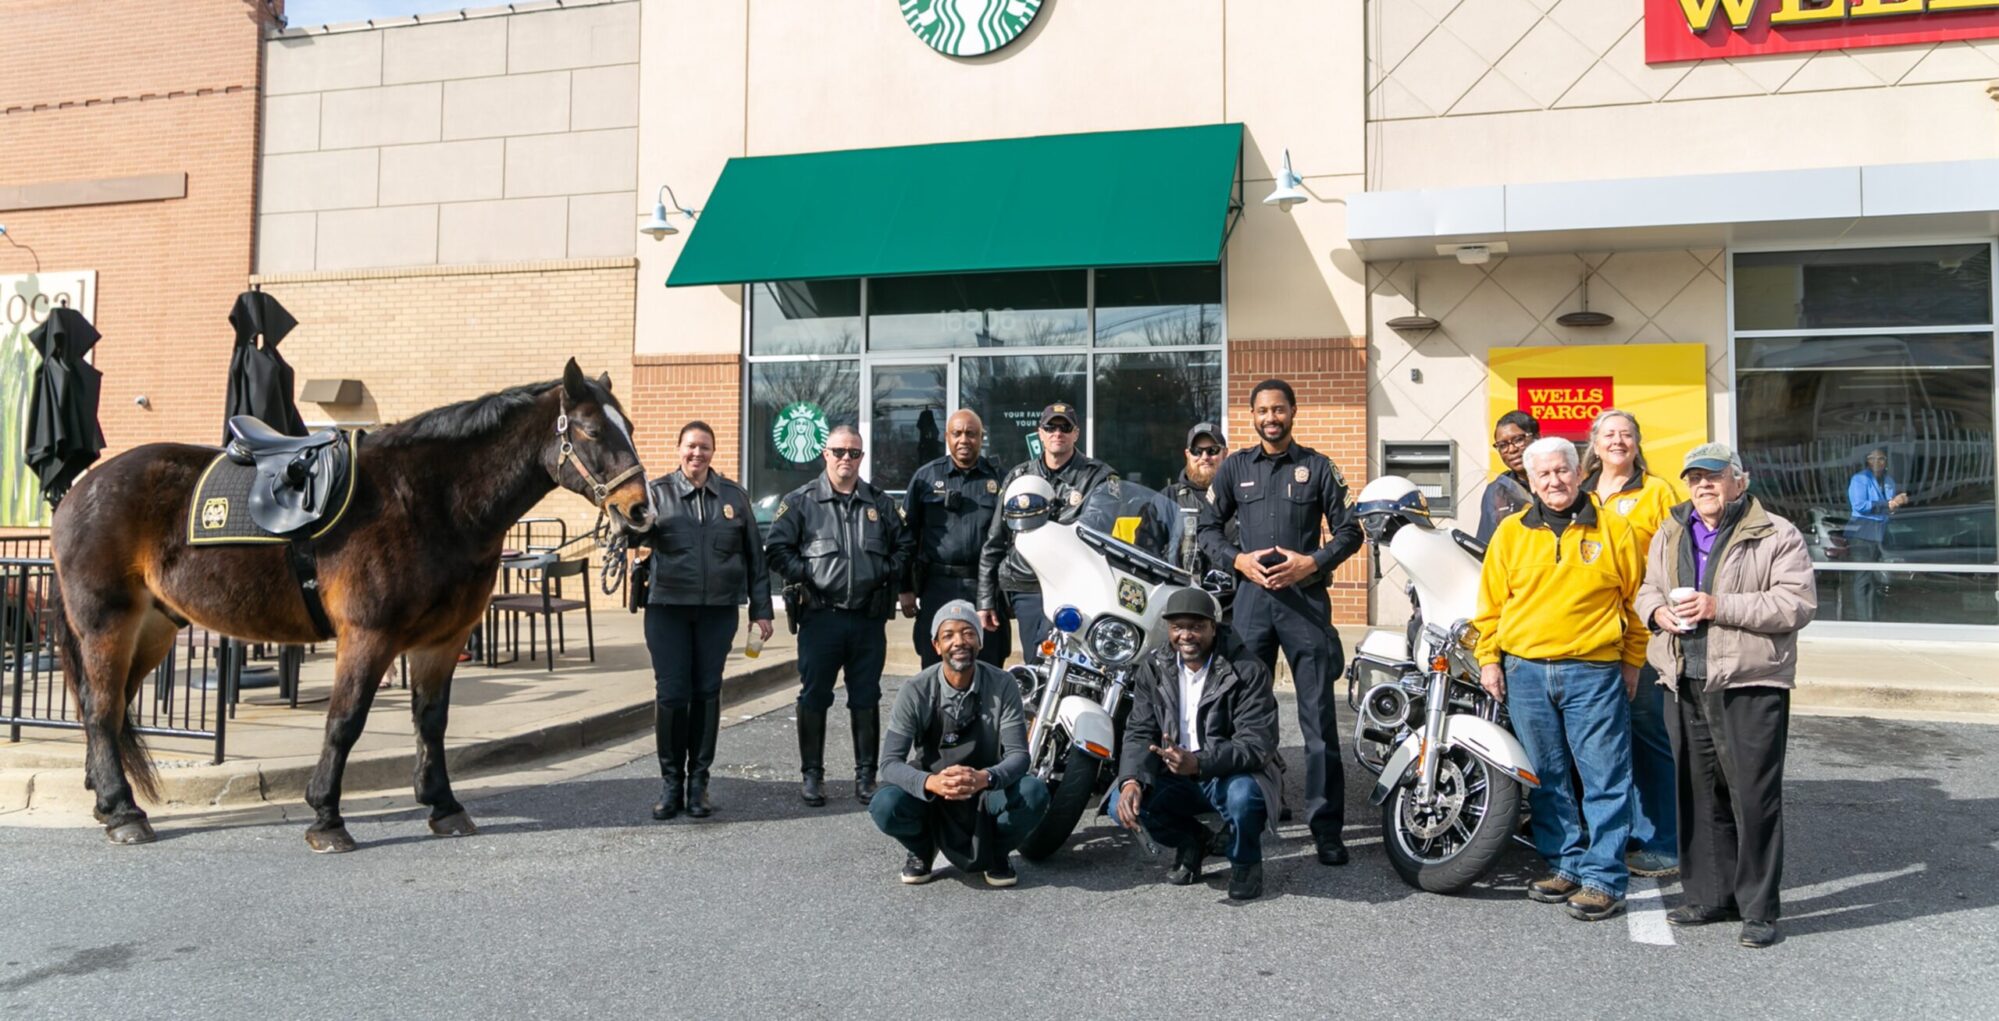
(190, 695)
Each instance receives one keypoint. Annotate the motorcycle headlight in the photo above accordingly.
(1464, 635)
(1114, 641)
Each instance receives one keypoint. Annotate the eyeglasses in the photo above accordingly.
(845, 453)
(1058, 427)
(1205, 451)
(1505, 445)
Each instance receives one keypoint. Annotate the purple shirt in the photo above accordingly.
(1703, 545)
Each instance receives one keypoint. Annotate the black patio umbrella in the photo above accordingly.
(63, 435)
(260, 382)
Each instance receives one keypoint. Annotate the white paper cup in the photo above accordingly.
(1680, 595)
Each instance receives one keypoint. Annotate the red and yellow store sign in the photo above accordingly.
(1664, 386)
(1677, 30)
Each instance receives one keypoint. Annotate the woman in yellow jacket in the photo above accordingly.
(1617, 478)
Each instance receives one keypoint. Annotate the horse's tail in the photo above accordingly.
(138, 764)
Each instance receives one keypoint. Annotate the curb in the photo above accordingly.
(285, 779)
(1873, 695)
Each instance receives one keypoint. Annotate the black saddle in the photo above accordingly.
(298, 477)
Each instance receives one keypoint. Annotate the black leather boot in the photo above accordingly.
(704, 719)
(812, 755)
(669, 728)
(867, 748)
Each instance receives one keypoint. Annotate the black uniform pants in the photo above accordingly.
(1034, 624)
(940, 590)
(832, 642)
(1299, 622)
(1728, 752)
(689, 645)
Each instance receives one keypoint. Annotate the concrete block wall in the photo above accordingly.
(487, 136)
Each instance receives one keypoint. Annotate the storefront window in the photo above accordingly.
(1159, 306)
(807, 398)
(1879, 446)
(1009, 392)
(805, 317)
(978, 310)
(1154, 398)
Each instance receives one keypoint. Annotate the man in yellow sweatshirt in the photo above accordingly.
(1560, 643)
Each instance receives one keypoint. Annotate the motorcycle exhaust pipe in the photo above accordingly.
(1386, 706)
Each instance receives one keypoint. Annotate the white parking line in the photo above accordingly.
(1645, 912)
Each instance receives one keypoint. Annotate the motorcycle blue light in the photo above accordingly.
(1068, 619)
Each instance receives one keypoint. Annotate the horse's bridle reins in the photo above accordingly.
(600, 491)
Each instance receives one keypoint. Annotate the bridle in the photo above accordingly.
(614, 542)
(599, 491)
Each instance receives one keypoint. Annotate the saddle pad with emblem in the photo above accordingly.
(219, 513)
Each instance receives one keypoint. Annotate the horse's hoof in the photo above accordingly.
(137, 831)
(457, 824)
(333, 841)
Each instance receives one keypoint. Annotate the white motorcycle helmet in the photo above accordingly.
(1388, 503)
(1027, 502)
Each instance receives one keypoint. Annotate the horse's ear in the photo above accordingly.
(604, 380)
(574, 383)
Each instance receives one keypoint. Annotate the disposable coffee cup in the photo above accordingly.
(755, 646)
(1675, 598)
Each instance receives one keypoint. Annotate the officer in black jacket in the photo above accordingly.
(1002, 571)
(1206, 446)
(1278, 492)
(706, 558)
(948, 508)
(841, 545)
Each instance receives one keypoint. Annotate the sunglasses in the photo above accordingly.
(845, 453)
(1205, 451)
(1058, 427)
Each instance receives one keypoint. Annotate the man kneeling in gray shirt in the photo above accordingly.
(955, 760)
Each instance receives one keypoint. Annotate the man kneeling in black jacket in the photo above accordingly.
(1202, 737)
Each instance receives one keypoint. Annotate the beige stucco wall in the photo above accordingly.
(446, 139)
(774, 78)
(1470, 92)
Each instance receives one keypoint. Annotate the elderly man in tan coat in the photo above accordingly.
(1727, 586)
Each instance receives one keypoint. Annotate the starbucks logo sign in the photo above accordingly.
(799, 432)
(968, 28)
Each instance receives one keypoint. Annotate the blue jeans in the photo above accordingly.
(1654, 820)
(1168, 809)
(907, 818)
(1572, 716)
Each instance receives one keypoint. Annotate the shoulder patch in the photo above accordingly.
(1338, 479)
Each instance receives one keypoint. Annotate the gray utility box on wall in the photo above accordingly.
(1431, 464)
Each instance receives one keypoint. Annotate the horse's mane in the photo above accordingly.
(465, 420)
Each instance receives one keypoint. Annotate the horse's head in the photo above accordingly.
(593, 453)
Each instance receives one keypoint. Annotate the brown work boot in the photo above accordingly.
(1552, 890)
(1593, 906)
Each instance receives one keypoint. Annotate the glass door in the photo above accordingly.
(907, 405)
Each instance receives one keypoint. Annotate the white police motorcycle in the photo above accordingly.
(1452, 775)
(1103, 584)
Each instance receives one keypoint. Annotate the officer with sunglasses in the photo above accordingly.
(841, 545)
(1003, 573)
(1206, 446)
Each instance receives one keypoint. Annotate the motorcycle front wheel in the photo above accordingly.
(1455, 842)
(1068, 798)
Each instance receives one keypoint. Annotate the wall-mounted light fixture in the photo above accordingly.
(658, 227)
(1290, 188)
(1416, 321)
(1585, 318)
(1476, 253)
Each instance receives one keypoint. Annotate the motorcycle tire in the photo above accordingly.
(1068, 799)
(1478, 854)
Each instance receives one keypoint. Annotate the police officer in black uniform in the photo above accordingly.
(840, 544)
(1278, 492)
(1002, 571)
(706, 557)
(949, 508)
(1206, 446)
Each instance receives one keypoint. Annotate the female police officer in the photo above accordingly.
(707, 556)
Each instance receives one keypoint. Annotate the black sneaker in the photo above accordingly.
(1246, 881)
(1187, 864)
(1757, 935)
(1002, 873)
(1689, 915)
(1333, 851)
(916, 870)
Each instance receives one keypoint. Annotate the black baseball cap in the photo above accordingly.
(1063, 411)
(1206, 429)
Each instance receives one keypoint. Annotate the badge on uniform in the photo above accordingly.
(1131, 595)
(729, 511)
(937, 484)
(1300, 473)
(992, 486)
(874, 515)
(1624, 506)
(1075, 498)
(1592, 550)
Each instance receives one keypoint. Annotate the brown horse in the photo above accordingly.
(408, 569)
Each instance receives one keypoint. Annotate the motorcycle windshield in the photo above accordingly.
(1145, 518)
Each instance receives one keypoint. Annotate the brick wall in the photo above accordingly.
(1330, 378)
(140, 87)
(672, 390)
(419, 338)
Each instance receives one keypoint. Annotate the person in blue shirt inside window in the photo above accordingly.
(1873, 495)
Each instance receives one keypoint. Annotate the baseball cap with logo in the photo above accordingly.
(1711, 457)
(1065, 412)
(1206, 429)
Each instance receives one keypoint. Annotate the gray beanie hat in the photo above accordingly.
(958, 609)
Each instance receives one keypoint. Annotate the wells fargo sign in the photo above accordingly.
(1663, 385)
(1566, 405)
(1678, 30)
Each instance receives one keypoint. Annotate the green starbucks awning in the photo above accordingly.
(1113, 198)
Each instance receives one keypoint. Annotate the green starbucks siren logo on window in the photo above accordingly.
(799, 432)
(968, 28)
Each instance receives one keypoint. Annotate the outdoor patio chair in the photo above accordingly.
(547, 605)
